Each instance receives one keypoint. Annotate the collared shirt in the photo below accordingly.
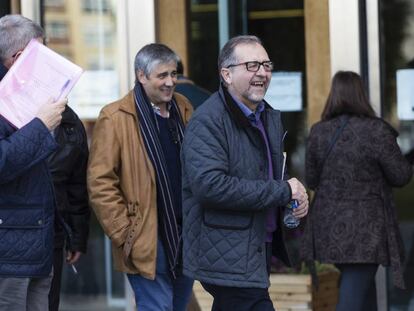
(157, 109)
(254, 118)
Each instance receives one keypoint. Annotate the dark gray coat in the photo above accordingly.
(226, 194)
(353, 217)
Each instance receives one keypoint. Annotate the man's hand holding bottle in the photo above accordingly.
(298, 206)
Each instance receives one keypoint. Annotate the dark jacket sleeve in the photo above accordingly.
(205, 157)
(68, 168)
(397, 170)
(78, 211)
(23, 148)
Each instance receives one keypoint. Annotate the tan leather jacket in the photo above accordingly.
(122, 186)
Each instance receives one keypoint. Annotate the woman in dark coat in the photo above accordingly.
(352, 222)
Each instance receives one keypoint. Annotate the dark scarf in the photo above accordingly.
(170, 233)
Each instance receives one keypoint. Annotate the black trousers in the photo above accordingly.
(357, 290)
(241, 299)
(54, 293)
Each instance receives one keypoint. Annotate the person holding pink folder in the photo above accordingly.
(27, 201)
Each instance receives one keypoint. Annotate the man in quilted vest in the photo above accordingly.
(27, 202)
(233, 190)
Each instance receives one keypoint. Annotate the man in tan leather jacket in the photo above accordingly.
(134, 181)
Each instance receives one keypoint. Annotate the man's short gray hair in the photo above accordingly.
(153, 54)
(227, 56)
(16, 31)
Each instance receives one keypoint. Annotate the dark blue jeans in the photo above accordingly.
(357, 290)
(164, 293)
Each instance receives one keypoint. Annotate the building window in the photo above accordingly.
(92, 6)
(95, 37)
(57, 30)
(54, 3)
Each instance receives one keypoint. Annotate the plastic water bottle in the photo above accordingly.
(289, 219)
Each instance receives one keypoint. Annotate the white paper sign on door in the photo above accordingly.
(285, 91)
(405, 94)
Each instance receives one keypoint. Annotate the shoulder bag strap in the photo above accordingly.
(333, 141)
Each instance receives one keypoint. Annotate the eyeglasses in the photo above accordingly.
(254, 66)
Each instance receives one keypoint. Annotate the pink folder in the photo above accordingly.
(38, 75)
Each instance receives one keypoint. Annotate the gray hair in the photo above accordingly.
(15, 33)
(227, 56)
(153, 54)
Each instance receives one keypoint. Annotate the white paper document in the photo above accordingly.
(37, 75)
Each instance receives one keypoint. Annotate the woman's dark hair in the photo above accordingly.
(347, 96)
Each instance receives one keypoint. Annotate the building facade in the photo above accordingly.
(308, 40)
